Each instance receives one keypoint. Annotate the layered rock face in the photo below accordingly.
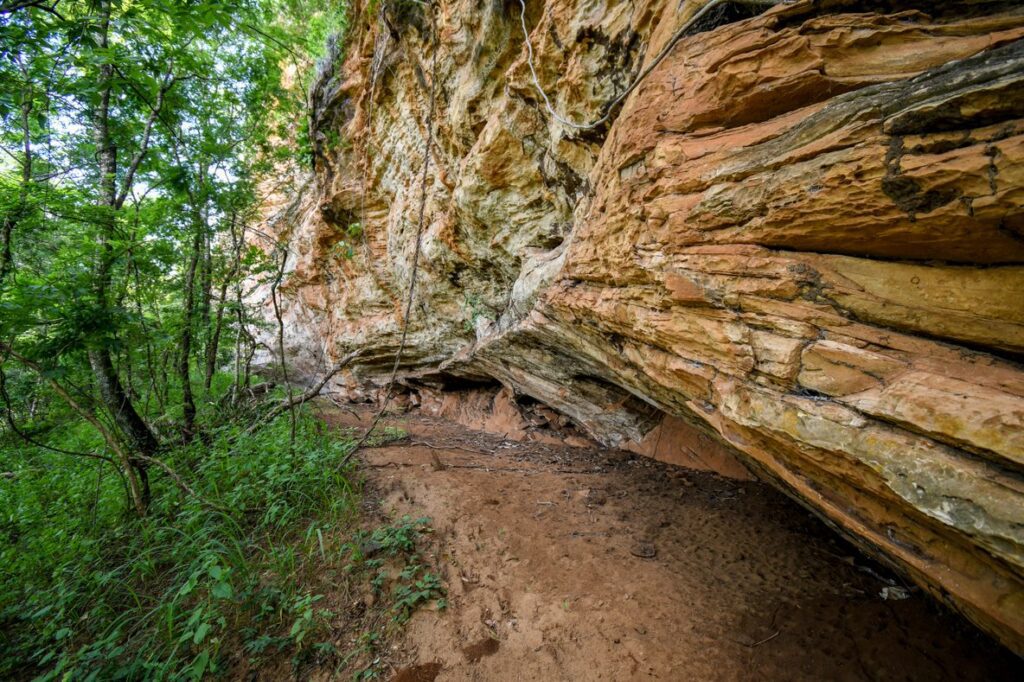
(801, 238)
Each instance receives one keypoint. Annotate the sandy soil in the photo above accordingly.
(587, 564)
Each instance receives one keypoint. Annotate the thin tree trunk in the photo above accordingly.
(206, 280)
(237, 383)
(250, 341)
(280, 337)
(165, 377)
(247, 379)
(154, 386)
(214, 344)
(17, 212)
(111, 390)
(241, 376)
(185, 350)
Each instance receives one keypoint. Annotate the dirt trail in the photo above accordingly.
(574, 564)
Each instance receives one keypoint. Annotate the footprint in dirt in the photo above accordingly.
(488, 646)
(425, 672)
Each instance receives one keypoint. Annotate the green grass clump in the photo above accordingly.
(90, 592)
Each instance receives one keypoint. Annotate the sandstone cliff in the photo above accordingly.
(801, 237)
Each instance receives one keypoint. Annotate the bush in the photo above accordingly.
(88, 591)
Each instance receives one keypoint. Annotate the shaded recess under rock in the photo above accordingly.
(801, 239)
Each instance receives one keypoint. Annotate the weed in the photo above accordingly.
(398, 575)
(410, 596)
(345, 248)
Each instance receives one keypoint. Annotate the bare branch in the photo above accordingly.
(311, 393)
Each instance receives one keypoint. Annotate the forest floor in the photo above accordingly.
(592, 564)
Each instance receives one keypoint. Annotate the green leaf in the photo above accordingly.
(199, 665)
(222, 590)
(187, 588)
(200, 633)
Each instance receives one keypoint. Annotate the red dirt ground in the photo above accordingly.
(588, 564)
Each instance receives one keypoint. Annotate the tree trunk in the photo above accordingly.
(120, 405)
(184, 359)
(18, 212)
(154, 385)
(112, 392)
(206, 281)
(214, 344)
(274, 293)
(127, 420)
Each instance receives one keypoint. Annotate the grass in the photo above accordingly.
(231, 578)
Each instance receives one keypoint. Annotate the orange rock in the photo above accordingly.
(803, 234)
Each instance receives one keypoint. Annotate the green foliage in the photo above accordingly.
(390, 554)
(137, 137)
(334, 141)
(85, 590)
(86, 274)
(345, 248)
(314, 23)
(318, 30)
(419, 588)
(389, 558)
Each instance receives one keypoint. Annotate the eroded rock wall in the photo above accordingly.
(801, 236)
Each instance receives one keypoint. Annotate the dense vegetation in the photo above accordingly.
(158, 504)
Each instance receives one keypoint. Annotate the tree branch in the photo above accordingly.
(311, 393)
(9, 412)
(129, 178)
(108, 436)
(15, 5)
(152, 107)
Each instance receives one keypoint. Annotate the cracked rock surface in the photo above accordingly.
(802, 236)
